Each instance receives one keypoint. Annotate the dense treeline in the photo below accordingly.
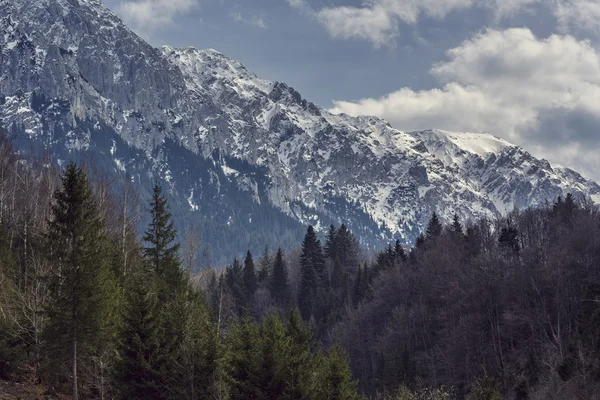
(88, 306)
(88, 309)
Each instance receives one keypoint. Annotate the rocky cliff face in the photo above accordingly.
(241, 154)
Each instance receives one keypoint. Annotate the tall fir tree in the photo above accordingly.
(265, 265)
(162, 251)
(250, 280)
(81, 283)
(312, 267)
(141, 360)
(456, 225)
(434, 228)
(162, 261)
(278, 285)
(335, 381)
(399, 252)
(329, 248)
(234, 277)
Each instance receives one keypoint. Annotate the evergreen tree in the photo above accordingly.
(330, 250)
(456, 225)
(81, 283)
(312, 267)
(434, 228)
(335, 378)
(250, 281)
(297, 357)
(399, 252)
(199, 349)
(278, 286)
(234, 277)
(141, 360)
(265, 265)
(273, 358)
(162, 261)
(162, 252)
(242, 361)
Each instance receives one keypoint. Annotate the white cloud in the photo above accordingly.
(152, 14)
(540, 93)
(253, 20)
(379, 21)
(580, 13)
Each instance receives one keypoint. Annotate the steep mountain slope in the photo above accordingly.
(243, 157)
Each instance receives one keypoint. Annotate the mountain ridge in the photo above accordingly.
(75, 79)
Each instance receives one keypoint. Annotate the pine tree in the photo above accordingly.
(399, 252)
(335, 378)
(138, 370)
(242, 361)
(278, 286)
(434, 228)
(234, 277)
(250, 281)
(162, 252)
(81, 283)
(162, 261)
(273, 360)
(297, 357)
(312, 267)
(456, 225)
(199, 348)
(330, 250)
(265, 265)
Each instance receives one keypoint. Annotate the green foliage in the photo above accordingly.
(250, 280)
(312, 267)
(485, 389)
(138, 369)
(161, 251)
(81, 284)
(335, 378)
(278, 285)
(404, 393)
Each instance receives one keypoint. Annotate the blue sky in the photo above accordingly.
(524, 70)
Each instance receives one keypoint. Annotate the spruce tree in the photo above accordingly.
(162, 261)
(434, 228)
(297, 357)
(162, 252)
(265, 265)
(250, 281)
(312, 267)
(329, 249)
(81, 282)
(335, 378)
(243, 362)
(234, 277)
(456, 225)
(399, 252)
(138, 370)
(278, 286)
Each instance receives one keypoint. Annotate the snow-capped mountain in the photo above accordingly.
(241, 154)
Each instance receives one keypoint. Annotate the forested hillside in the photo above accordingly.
(481, 310)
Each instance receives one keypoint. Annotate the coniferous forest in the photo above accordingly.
(95, 306)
